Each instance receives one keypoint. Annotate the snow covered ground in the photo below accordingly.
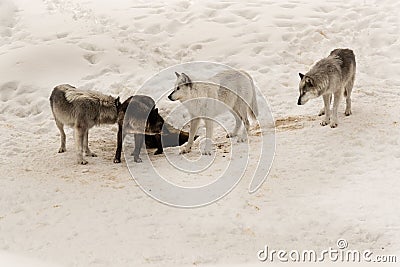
(324, 184)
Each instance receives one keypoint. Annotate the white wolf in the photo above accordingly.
(228, 90)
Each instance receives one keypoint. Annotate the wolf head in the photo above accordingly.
(154, 122)
(182, 88)
(307, 89)
(109, 107)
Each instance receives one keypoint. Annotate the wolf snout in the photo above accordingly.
(299, 101)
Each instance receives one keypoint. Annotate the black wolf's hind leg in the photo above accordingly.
(120, 139)
(159, 145)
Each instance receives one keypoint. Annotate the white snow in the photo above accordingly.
(324, 184)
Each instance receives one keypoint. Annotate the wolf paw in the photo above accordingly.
(230, 135)
(206, 152)
(333, 124)
(347, 112)
(158, 152)
(321, 112)
(137, 160)
(91, 154)
(241, 139)
(324, 123)
(185, 150)
(117, 160)
(62, 150)
(82, 162)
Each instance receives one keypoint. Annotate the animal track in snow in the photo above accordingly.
(91, 58)
(8, 90)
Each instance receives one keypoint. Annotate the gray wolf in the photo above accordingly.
(138, 115)
(234, 89)
(81, 110)
(333, 75)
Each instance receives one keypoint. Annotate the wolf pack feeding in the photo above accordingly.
(229, 90)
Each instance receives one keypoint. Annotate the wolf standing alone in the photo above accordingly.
(81, 110)
(332, 75)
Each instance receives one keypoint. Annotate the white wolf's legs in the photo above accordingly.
(243, 116)
(322, 111)
(327, 109)
(237, 126)
(86, 145)
(60, 127)
(194, 125)
(246, 128)
(209, 133)
(79, 133)
(336, 102)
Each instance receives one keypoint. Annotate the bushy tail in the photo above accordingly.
(253, 104)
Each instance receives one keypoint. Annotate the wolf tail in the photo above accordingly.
(253, 105)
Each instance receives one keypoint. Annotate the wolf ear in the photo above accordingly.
(117, 102)
(177, 75)
(301, 75)
(187, 79)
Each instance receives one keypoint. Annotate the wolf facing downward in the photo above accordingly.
(333, 75)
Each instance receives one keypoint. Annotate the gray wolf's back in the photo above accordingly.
(70, 104)
(348, 61)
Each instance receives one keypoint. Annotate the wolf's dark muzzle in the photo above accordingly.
(299, 101)
(170, 98)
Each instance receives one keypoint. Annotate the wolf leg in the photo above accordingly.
(209, 134)
(243, 137)
(336, 102)
(139, 140)
(79, 136)
(159, 145)
(348, 89)
(60, 127)
(86, 145)
(194, 125)
(238, 123)
(120, 140)
(243, 116)
(322, 111)
(327, 108)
